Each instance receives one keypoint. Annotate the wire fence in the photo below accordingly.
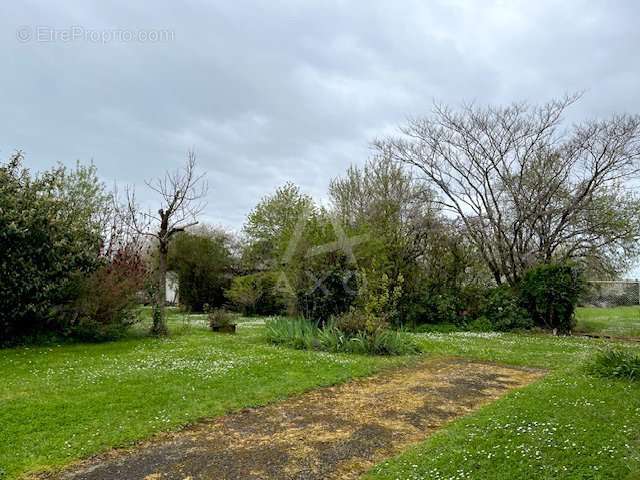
(611, 293)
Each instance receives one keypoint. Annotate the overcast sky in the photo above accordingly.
(272, 91)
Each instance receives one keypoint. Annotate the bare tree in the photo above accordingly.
(527, 190)
(181, 195)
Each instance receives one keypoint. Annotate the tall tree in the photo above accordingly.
(181, 195)
(272, 223)
(527, 189)
(384, 198)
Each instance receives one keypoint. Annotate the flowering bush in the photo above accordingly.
(106, 301)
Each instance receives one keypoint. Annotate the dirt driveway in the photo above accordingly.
(337, 432)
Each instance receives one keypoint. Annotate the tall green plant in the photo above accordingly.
(550, 293)
(203, 262)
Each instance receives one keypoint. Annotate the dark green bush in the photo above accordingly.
(550, 293)
(616, 363)
(258, 294)
(481, 324)
(203, 262)
(50, 239)
(501, 307)
(326, 287)
(435, 306)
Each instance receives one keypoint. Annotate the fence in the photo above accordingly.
(612, 293)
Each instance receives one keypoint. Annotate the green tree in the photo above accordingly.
(258, 294)
(550, 293)
(272, 223)
(203, 261)
(408, 238)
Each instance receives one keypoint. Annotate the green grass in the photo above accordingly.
(570, 425)
(60, 403)
(616, 321)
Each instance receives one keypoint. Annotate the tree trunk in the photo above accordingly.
(159, 326)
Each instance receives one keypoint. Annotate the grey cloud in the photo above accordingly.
(274, 91)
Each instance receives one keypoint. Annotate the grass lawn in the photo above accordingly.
(60, 403)
(570, 425)
(616, 321)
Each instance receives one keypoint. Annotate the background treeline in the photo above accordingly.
(480, 218)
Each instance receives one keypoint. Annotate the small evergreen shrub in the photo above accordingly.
(501, 307)
(481, 324)
(616, 363)
(550, 293)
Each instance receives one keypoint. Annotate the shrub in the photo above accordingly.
(258, 294)
(436, 304)
(355, 321)
(326, 286)
(501, 307)
(218, 317)
(616, 363)
(378, 297)
(550, 293)
(107, 300)
(481, 324)
(49, 239)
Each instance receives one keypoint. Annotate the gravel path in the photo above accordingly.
(329, 433)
